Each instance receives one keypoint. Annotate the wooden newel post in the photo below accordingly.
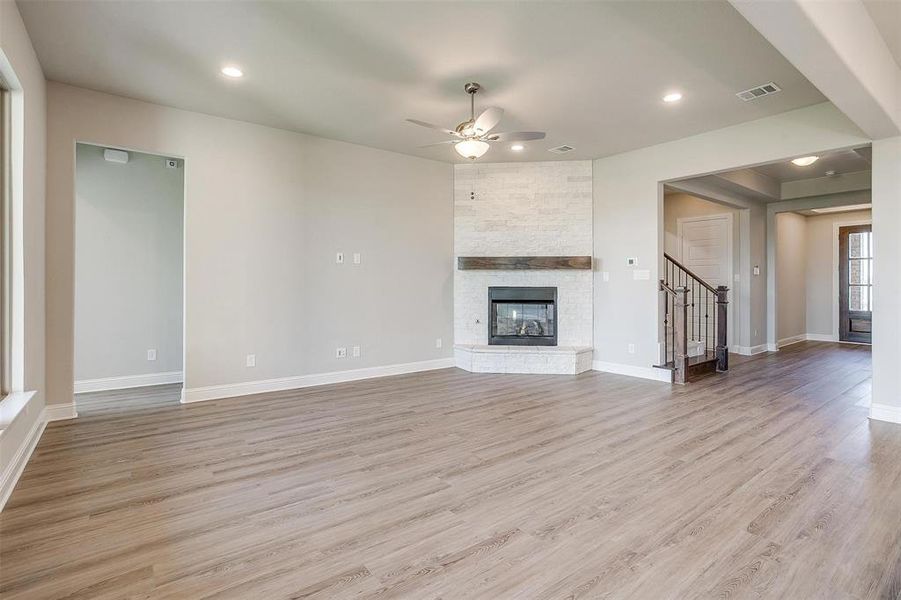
(722, 350)
(680, 335)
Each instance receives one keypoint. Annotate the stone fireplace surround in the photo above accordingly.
(523, 209)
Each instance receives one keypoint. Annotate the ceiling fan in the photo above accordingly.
(471, 137)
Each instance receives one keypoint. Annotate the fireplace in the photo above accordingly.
(524, 316)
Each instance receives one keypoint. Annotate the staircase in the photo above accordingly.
(694, 324)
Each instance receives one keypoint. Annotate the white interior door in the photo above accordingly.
(705, 248)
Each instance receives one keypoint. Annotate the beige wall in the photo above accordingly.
(19, 63)
(822, 271)
(791, 275)
(265, 212)
(128, 265)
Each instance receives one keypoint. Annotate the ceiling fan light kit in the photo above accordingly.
(471, 137)
(472, 149)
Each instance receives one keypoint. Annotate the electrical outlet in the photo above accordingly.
(341, 352)
(438, 342)
(357, 258)
(356, 351)
(339, 258)
(631, 348)
(251, 360)
(756, 270)
(151, 354)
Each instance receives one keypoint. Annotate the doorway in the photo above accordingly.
(705, 247)
(856, 283)
(129, 279)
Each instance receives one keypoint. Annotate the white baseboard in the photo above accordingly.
(749, 350)
(652, 373)
(803, 337)
(59, 412)
(129, 381)
(791, 340)
(884, 412)
(14, 468)
(215, 392)
(820, 337)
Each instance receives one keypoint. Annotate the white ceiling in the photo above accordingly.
(886, 15)
(840, 161)
(590, 74)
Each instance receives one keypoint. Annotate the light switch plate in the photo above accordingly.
(438, 342)
(339, 258)
(151, 354)
(340, 352)
(357, 258)
(356, 351)
(251, 360)
(756, 270)
(605, 275)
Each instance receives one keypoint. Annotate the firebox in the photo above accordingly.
(525, 316)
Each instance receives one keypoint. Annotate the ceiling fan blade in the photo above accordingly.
(440, 143)
(431, 126)
(515, 136)
(487, 120)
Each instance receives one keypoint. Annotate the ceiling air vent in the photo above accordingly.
(561, 149)
(759, 92)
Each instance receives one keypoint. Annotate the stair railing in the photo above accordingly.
(679, 317)
(703, 326)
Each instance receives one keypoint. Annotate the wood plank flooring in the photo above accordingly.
(766, 482)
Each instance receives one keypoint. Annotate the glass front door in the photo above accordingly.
(856, 283)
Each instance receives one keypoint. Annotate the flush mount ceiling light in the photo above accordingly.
(672, 97)
(471, 148)
(805, 161)
(517, 147)
(233, 72)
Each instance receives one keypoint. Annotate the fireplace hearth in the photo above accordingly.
(523, 316)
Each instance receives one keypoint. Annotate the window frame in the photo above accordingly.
(6, 236)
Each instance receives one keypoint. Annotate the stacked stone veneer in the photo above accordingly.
(523, 209)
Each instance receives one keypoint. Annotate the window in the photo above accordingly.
(5, 244)
(855, 278)
(860, 271)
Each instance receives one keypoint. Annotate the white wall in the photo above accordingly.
(791, 276)
(129, 239)
(628, 210)
(887, 279)
(523, 209)
(266, 210)
(822, 270)
(22, 71)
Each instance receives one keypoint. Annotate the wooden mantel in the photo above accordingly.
(522, 263)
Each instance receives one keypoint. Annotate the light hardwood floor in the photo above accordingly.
(767, 482)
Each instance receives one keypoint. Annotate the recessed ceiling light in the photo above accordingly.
(233, 72)
(805, 161)
(517, 147)
(672, 97)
